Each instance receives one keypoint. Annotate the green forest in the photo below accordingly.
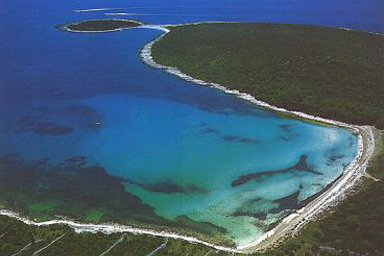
(329, 72)
(101, 25)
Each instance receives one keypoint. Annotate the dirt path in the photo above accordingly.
(121, 239)
(50, 244)
(158, 248)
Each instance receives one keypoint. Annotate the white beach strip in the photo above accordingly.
(118, 13)
(291, 224)
(114, 228)
(97, 9)
(156, 27)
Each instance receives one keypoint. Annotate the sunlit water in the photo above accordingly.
(179, 146)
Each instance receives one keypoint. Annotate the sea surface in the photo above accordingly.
(176, 145)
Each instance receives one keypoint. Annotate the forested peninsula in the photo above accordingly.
(332, 73)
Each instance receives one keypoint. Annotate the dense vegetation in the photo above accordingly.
(377, 166)
(102, 25)
(357, 225)
(329, 72)
(15, 235)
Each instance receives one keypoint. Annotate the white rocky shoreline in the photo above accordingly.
(291, 224)
(110, 228)
(97, 9)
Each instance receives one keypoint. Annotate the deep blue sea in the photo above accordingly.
(178, 146)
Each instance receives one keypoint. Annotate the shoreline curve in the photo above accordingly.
(352, 174)
(110, 228)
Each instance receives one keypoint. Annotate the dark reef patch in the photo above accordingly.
(248, 209)
(291, 202)
(314, 196)
(272, 226)
(169, 187)
(51, 128)
(258, 215)
(74, 161)
(47, 119)
(351, 142)
(333, 159)
(230, 138)
(83, 110)
(85, 115)
(333, 156)
(193, 188)
(42, 128)
(234, 138)
(287, 202)
(93, 125)
(211, 130)
(201, 226)
(288, 133)
(78, 188)
(301, 166)
(284, 127)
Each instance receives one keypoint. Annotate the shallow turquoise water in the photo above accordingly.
(177, 145)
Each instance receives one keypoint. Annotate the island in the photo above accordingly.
(103, 25)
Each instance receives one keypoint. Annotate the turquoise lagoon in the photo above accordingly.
(175, 145)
